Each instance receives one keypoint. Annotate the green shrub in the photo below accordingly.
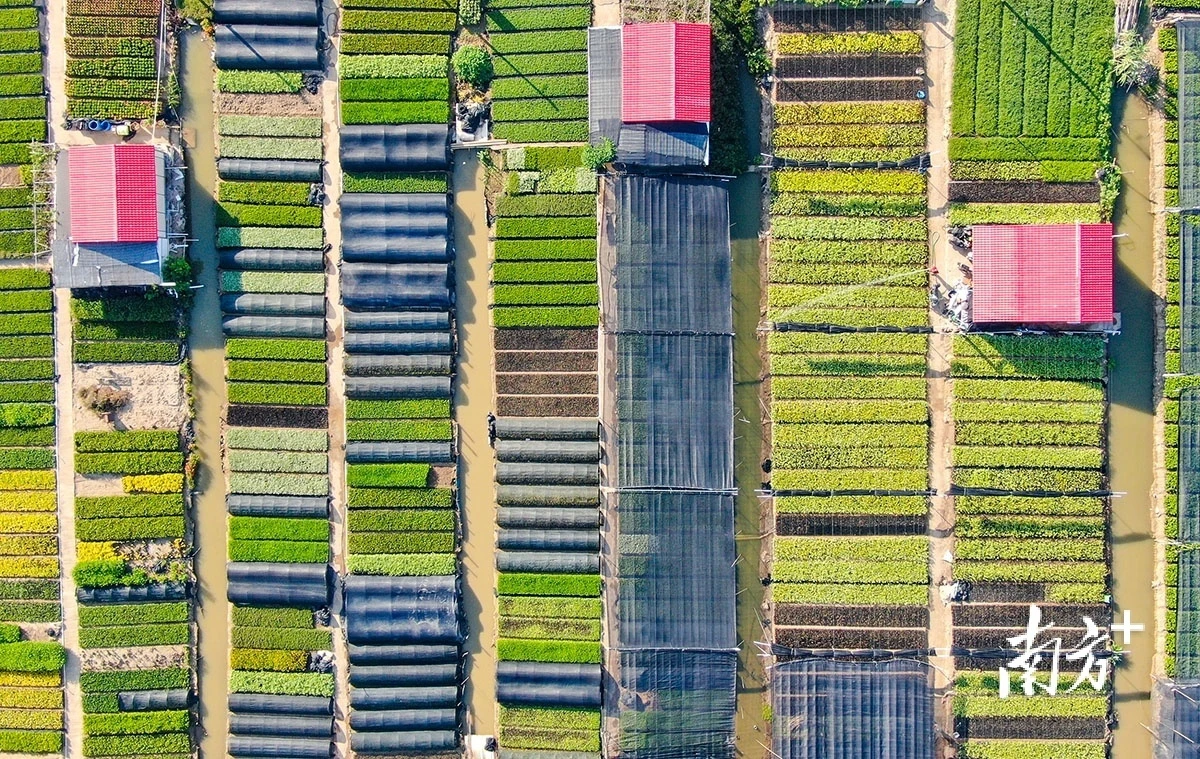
(130, 528)
(277, 439)
(390, 90)
(282, 639)
(564, 651)
(136, 745)
(27, 347)
(282, 683)
(135, 723)
(140, 635)
(24, 300)
(133, 614)
(276, 349)
(259, 81)
(538, 18)
(394, 66)
(128, 462)
(407, 565)
(108, 573)
(17, 436)
(251, 616)
(388, 475)
(26, 459)
(473, 65)
(521, 584)
(32, 656)
(254, 659)
(129, 440)
(121, 506)
(18, 278)
(31, 742)
(398, 409)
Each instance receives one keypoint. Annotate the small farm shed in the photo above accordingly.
(1058, 274)
(650, 91)
(114, 215)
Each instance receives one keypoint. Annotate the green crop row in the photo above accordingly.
(538, 19)
(277, 439)
(240, 214)
(128, 462)
(965, 214)
(282, 638)
(269, 193)
(545, 250)
(139, 635)
(898, 505)
(394, 66)
(274, 394)
(398, 21)
(395, 112)
(311, 283)
(399, 430)
(124, 309)
(282, 683)
(388, 90)
(279, 528)
(269, 237)
(532, 273)
(401, 543)
(852, 595)
(403, 521)
(881, 112)
(133, 614)
(278, 484)
(285, 551)
(374, 43)
(269, 126)
(559, 651)
(259, 82)
(129, 528)
(523, 584)
(127, 353)
(276, 349)
(849, 43)
(560, 316)
(521, 88)
(542, 131)
(283, 148)
(129, 505)
(130, 680)
(399, 498)
(255, 659)
(253, 616)
(276, 371)
(402, 565)
(278, 461)
(399, 183)
(387, 475)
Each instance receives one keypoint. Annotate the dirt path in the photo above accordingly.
(939, 62)
(335, 334)
(474, 397)
(65, 466)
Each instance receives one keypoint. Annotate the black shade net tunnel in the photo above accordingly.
(1187, 616)
(403, 147)
(1189, 465)
(665, 265)
(1189, 296)
(278, 584)
(827, 709)
(405, 636)
(263, 170)
(268, 48)
(276, 12)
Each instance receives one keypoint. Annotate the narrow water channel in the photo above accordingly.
(206, 349)
(472, 401)
(1131, 432)
(745, 210)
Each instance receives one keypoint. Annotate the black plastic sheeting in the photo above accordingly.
(826, 709)
(278, 584)
(1181, 719)
(539, 684)
(272, 259)
(383, 453)
(398, 387)
(275, 747)
(404, 365)
(547, 428)
(549, 540)
(403, 654)
(288, 305)
(563, 474)
(399, 321)
(154, 700)
(269, 48)
(170, 591)
(408, 147)
(409, 719)
(250, 169)
(389, 610)
(399, 742)
(274, 724)
(391, 343)
(273, 326)
(545, 561)
(293, 12)
(530, 495)
(395, 228)
(261, 703)
(403, 675)
(550, 451)
(277, 506)
(395, 287)
(677, 704)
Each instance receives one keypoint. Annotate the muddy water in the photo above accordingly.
(206, 347)
(752, 735)
(473, 399)
(1130, 434)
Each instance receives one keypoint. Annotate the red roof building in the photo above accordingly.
(666, 73)
(1050, 274)
(115, 193)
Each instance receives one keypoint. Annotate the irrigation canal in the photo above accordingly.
(1131, 432)
(207, 356)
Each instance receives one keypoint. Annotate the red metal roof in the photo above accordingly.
(666, 73)
(114, 193)
(1049, 274)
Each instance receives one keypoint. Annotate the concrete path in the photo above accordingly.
(939, 62)
(473, 399)
(65, 466)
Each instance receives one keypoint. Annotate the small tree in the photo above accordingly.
(178, 270)
(473, 65)
(1131, 68)
(595, 156)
